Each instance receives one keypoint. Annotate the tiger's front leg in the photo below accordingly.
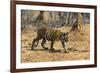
(63, 44)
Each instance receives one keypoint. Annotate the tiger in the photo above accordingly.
(50, 35)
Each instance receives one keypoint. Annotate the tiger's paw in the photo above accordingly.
(66, 51)
(46, 48)
(52, 50)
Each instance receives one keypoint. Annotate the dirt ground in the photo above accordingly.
(78, 46)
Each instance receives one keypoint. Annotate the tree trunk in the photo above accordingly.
(77, 25)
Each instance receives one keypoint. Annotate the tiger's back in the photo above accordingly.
(52, 34)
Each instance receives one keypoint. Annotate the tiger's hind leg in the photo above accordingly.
(34, 43)
(42, 44)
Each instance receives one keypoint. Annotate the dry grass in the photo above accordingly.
(78, 46)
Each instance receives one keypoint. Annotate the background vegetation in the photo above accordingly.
(51, 18)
